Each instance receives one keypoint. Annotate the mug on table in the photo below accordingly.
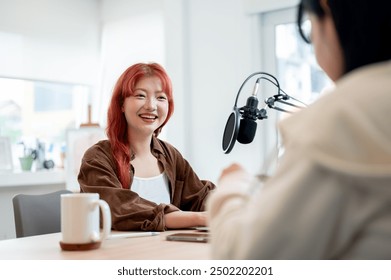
(80, 220)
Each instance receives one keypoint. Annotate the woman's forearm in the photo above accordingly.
(184, 219)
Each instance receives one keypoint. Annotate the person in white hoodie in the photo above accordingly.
(330, 197)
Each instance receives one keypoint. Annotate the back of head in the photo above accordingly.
(363, 28)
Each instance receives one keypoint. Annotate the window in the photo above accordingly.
(37, 114)
(297, 69)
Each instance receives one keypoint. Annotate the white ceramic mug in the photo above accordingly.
(80, 218)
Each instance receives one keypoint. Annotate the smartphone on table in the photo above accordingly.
(190, 237)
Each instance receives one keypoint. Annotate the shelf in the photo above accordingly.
(42, 177)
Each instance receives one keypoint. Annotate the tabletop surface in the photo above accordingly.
(47, 247)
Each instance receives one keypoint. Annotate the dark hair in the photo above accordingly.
(363, 28)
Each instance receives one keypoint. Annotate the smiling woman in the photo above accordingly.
(146, 181)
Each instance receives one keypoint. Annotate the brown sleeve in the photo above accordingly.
(128, 210)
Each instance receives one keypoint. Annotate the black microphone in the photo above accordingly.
(250, 112)
(244, 130)
(248, 125)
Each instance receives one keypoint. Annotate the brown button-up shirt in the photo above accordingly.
(129, 211)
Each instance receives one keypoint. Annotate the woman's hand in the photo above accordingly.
(185, 219)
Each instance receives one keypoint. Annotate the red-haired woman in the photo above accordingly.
(146, 181)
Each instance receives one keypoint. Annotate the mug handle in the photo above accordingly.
(105, 209)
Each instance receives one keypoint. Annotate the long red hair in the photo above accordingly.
(116, 123)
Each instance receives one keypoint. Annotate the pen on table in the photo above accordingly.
(132, 234)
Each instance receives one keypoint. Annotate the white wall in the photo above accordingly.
(260, 6)
(132, 31)
(50, 40)
(213, 43)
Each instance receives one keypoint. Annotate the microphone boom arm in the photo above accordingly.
(281, 99)
(247, 115)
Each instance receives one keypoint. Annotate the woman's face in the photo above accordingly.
(327, 47)
(147, 109)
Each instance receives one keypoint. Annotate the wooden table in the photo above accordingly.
(47, 247)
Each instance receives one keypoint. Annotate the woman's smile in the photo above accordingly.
(150, 118)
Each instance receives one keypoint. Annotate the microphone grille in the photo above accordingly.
(247, 131)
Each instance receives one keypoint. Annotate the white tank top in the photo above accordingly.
(154, 188)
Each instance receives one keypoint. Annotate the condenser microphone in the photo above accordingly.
(248, 125)
(243, 130)
(250, 112)
(241, 124)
